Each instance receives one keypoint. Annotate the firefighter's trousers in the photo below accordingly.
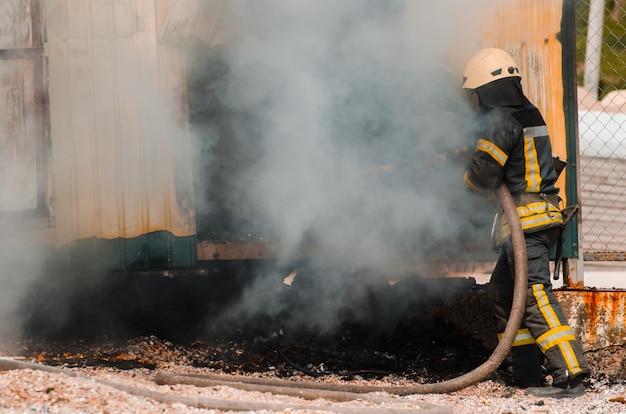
(544, 330)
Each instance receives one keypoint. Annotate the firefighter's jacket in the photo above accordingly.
(514, 147)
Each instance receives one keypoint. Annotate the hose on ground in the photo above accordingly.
(455, 384)
(226, 404)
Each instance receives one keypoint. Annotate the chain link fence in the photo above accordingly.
(601, 73)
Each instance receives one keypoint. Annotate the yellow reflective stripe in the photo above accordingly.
(538, 208)
(561, 337)
(523, 337)
(545, 308)
(493, 150)
(554, 337)
(527, 341)
(533, 175)
(570, 358)
(539, 220)
(531, 216)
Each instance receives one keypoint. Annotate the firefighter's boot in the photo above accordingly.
(571, 388)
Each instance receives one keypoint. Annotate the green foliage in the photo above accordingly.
(613, 61)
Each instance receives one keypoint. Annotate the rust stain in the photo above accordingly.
(605, 256)
(597, 316)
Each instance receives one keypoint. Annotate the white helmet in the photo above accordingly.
(487, 66)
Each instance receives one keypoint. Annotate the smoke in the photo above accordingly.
(319, 126)
(336, 113)
(15, 278)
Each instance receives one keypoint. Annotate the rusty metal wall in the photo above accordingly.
(601, 66)
(120, 143)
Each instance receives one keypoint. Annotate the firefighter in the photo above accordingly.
(513, 146)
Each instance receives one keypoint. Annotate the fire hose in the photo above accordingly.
(517, 308)
(455, 384)
(330, 391)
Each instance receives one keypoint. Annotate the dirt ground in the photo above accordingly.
(118, 376)
(115, 370)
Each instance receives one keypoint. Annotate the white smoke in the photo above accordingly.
(322, 128)
(333, 94)
(334, 90)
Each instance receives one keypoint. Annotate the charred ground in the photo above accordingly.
(421, 330)
(414, 328)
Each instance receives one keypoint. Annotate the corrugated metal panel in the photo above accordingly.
(18, 132)
(120, 145)
(18, 169)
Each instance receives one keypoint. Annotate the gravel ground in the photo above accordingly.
(106, 390)
(28, 390)
(117, 375)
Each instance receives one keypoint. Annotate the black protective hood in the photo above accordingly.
(502, 92)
